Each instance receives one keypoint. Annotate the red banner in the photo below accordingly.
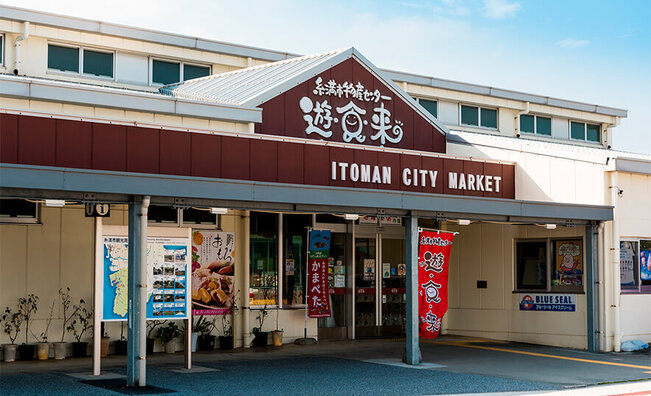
(318, 295)
(433, 258)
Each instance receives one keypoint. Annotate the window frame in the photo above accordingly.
(639, 288)
(181, 223)
(3, 45)
(535, 125)
(181, 69)
(80, 61)
(550, 266)
(479, 109)
(585, 132)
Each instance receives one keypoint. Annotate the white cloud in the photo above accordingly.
(500, 9)
(571, 42)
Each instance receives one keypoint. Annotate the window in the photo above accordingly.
(536, 124)
(98, 63)
(294, 257)
(169, 72)
(63, 58)
(583, 131)
(478, 116)
(199, 217)
(2, 49)
(635, 265)
(18, 211)
(193, 217)
(549, 265)
(162, 214)
(263, 258)
(68, 59)
(430, 105)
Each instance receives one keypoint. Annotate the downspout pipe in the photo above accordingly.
(614, 250)
(602, 258)
(19, 39)
(517, 119)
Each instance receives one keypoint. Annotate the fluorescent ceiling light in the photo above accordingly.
(349, 216)
(217, 211)
(550, 226)
(55, 203)
(464, 222)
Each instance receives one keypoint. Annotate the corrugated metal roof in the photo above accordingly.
(241, 86)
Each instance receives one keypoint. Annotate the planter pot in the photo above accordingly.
(150, 346)
(43, 350)
(277, 336)
(79, 349)
(60, 350)
(9, 352)
(260, 339)
(104, 347)
(206, 342)
(121, 347)
(26, 351)
(225, 343)
(170, 346)
(195, 336)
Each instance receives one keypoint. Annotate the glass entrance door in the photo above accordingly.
(393, 304)
(365, 287)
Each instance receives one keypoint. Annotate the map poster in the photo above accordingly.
(167, 286)
(213, 269)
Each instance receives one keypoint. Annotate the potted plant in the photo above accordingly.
(202, 328)
(27, 306)
(42, 346)
(277, 335)
(121, 344)
(67, 315)
(152, 325)
(80, 323)
(260, 338)
(226, 339)
(167, 335)
(11, 322)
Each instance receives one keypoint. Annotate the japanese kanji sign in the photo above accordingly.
(318, 299)
(433, 257)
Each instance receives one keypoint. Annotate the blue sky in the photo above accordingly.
(585, 50)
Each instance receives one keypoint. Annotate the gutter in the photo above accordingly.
(17, 45)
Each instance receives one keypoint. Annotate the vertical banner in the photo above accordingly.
(213, 280)
(433, 257)
(318, 301)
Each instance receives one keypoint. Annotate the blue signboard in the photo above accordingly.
(547, 302)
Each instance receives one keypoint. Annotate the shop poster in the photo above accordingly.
(627, 253)
(569, 262)
(213, 269)
(433, 258)
(369, 269)
(167, 286)
(645, 261)
(548, 302)
(318, 300)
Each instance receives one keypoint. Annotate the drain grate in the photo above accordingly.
(120, 385)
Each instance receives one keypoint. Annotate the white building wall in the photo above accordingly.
(486, 251)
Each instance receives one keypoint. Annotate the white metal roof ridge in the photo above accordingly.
(557, 149)
(240, 86)
(174, 39)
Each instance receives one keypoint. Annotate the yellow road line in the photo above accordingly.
(466, 345)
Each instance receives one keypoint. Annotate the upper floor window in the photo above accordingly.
(80, 60)
(536, 124)
(2, 49)
(170, 72)
(584, 131)
(478, 116)
(430, 105)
